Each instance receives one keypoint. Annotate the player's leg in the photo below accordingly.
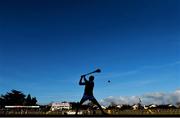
(96, 102)
(80, 103)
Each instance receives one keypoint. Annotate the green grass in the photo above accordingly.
(158, 112)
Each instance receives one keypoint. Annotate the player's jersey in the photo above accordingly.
(89, 88)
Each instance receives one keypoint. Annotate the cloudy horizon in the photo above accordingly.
(158, 98)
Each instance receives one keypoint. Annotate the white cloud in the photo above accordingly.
(119, 100)
(161, 66)
(135, 71)
(162, 98)
(146, 99)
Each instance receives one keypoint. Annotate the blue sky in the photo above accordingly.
(46, 45)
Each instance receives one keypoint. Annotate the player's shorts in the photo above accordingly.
(87, 97)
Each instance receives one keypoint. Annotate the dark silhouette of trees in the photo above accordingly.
(28, 100)
(2, 102)
(74, 105)
(34, 101)
(16, 98)
(126, 107)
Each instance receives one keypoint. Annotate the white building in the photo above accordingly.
(59, 106)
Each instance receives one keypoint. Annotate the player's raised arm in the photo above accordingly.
(80, 81)
(85, 80)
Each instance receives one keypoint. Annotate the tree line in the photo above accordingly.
(15, 97)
